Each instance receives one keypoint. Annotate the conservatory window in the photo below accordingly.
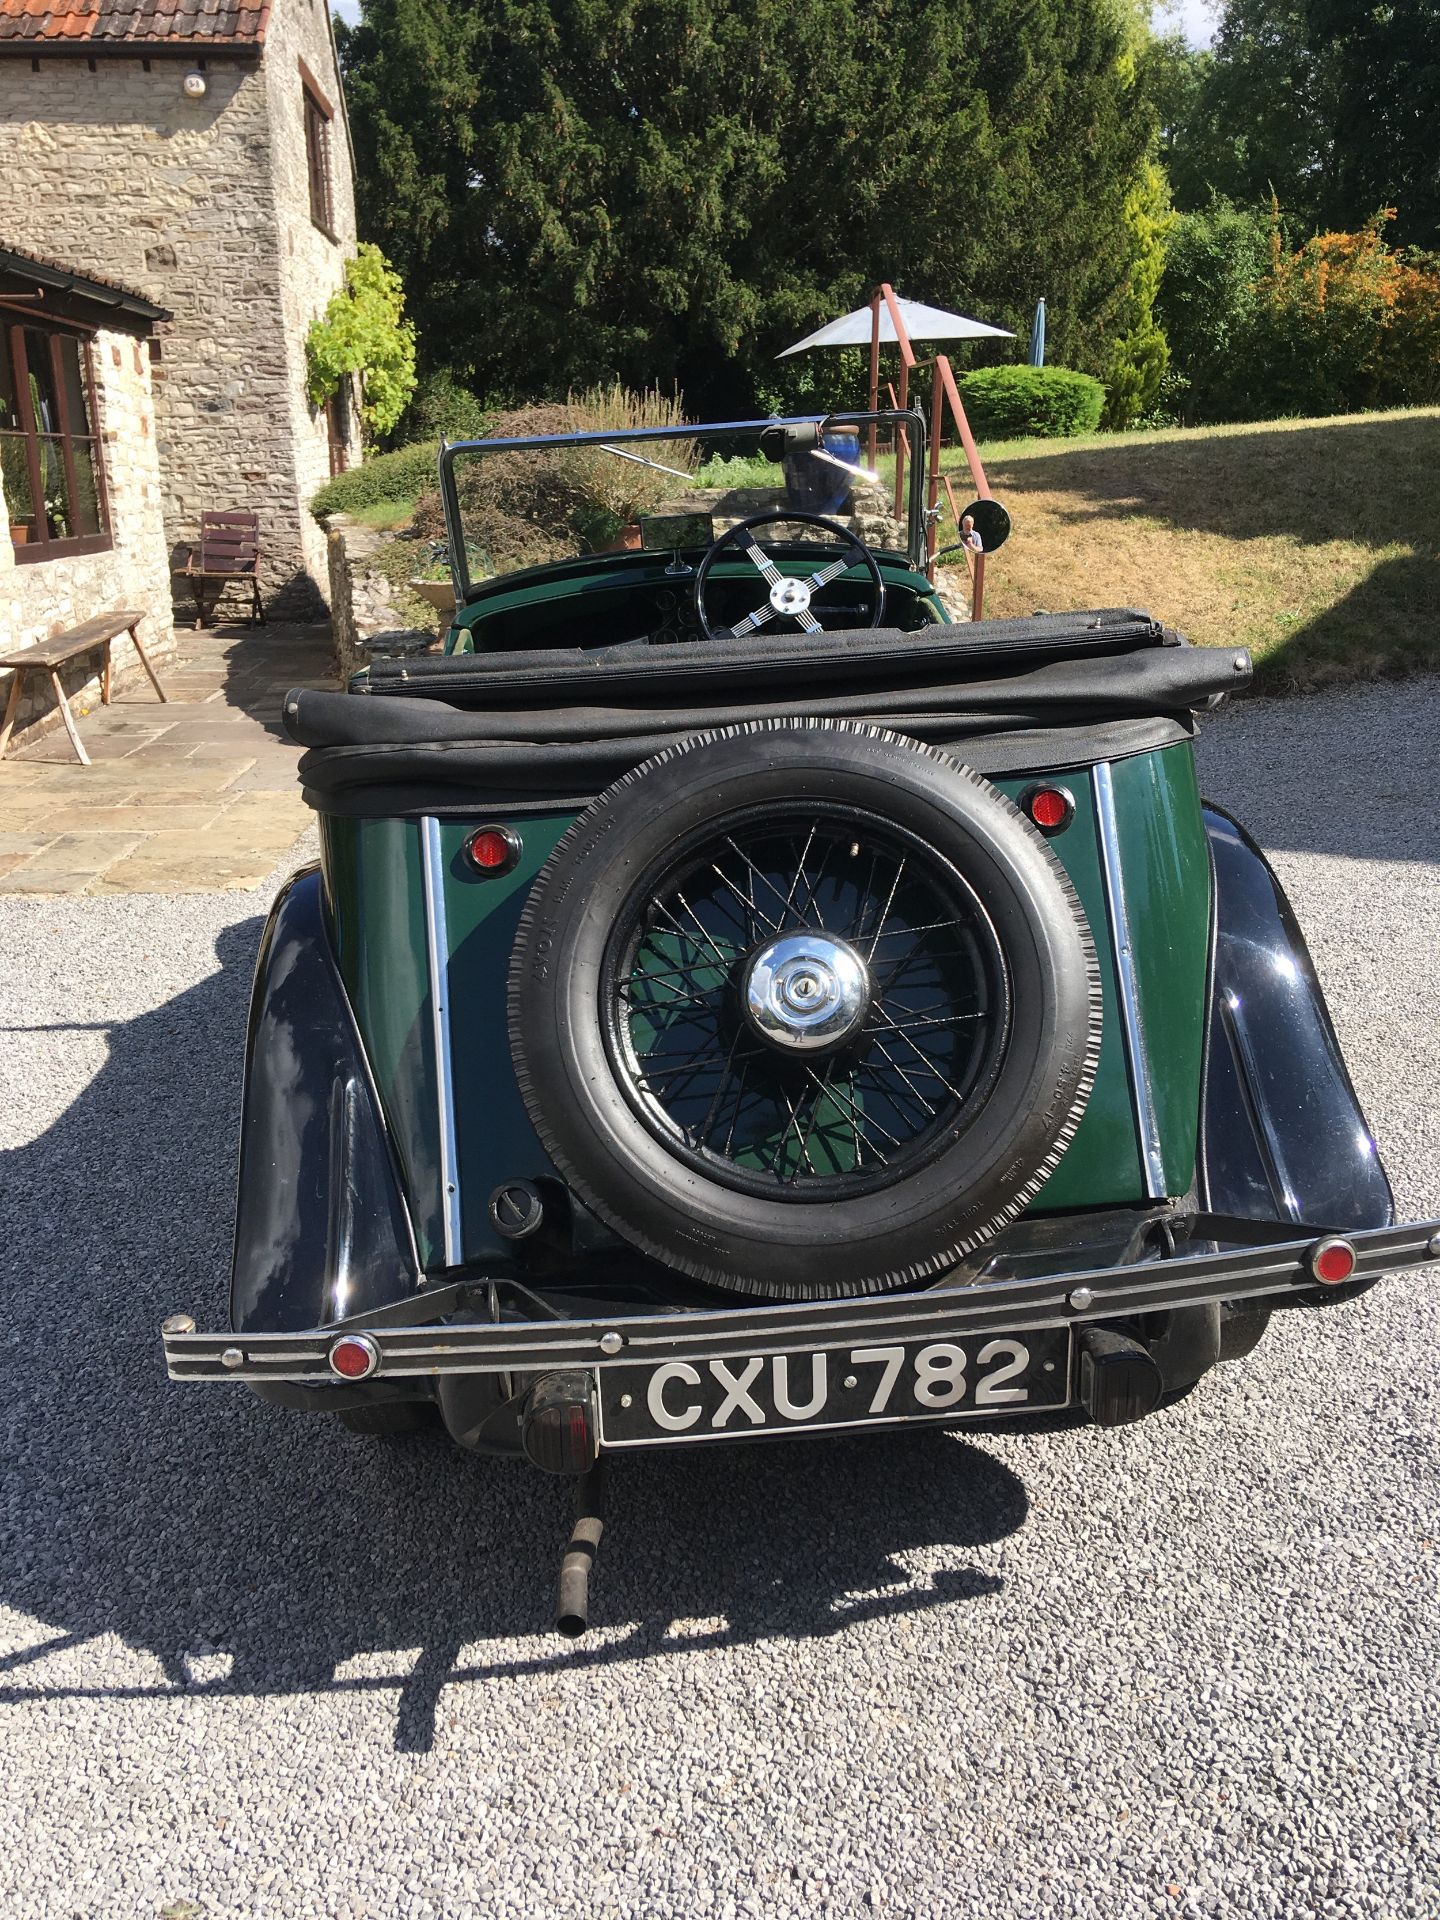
(51, 467)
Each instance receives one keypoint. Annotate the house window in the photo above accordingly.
(51, 466)
(337, 427)
(317, 158)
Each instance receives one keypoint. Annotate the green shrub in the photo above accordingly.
(402, 475)
(1215, 262)
(441, 408)
(1345, 324)
(1020, 403)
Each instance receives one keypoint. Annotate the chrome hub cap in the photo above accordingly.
(806, 991)
(790, 596)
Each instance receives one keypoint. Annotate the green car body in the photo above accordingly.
(375, 889)
(467, 1189)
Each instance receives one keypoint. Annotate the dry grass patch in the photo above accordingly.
(1316, 543)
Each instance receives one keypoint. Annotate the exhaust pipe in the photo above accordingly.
(572, 1599)
(1119, 1378)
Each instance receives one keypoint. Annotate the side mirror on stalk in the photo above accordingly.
(990, 521)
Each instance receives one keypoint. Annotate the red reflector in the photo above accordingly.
(1049, 807)
(353, 1357)
(492, 849)
(1332, 1261)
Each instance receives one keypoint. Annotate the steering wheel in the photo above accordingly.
(790, 597)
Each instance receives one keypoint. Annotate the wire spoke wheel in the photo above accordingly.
(804, 1008)
(806, 1004)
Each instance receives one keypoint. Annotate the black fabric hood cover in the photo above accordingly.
(801, 663)
(564, 725)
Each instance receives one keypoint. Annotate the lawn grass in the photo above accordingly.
(385, 515)
(735, 470)
(1315, 543)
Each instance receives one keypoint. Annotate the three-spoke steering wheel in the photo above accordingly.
(791, 596)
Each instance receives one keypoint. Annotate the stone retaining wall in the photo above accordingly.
(363, 616)
(368, 625)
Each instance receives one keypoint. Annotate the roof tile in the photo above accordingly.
(133, 20)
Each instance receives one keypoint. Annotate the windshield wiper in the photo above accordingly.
(641, 461)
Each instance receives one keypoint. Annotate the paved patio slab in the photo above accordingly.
(196, 794)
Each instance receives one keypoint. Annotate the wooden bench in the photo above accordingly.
(48, 656)
(228, 554)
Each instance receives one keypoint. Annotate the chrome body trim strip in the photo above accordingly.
(437, 951)
(1000, 1306)
(1142, 1092)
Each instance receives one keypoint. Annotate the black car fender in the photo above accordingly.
(1283, 1136)
(321, 1228)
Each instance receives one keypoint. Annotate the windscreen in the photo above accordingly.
(517, 504)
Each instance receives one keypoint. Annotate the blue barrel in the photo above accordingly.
(814, 486)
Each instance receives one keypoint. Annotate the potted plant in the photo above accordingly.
(15, 483)
(435, 584)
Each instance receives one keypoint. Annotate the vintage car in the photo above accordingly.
(738, 1000)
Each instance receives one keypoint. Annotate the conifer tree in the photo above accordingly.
(671, 190)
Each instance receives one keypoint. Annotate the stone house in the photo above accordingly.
(196, 153)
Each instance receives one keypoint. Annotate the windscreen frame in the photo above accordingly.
(909, 421)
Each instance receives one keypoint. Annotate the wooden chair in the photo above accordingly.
(228, 555)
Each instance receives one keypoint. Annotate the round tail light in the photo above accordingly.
(1332, 1261)
(492, 850)
(354, 1356)
(1051, 808)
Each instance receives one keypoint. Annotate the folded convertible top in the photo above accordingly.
(798, 661)
(554, 728)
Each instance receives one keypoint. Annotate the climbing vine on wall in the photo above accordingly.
(363, 333)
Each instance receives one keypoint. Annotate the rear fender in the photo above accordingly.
(1283, 1135)
(321, 1229)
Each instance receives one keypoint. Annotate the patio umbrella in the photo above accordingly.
(921, 322)
(1037, 334)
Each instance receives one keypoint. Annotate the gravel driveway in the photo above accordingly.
(255, 1666)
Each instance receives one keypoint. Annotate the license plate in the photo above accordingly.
(681, 1401)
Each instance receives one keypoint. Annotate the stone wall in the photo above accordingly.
(203, 206)
(867, 513)
(41, 597)
(364, 619)
(312, 262)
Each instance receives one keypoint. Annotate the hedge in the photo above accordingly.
(402, 475)
(1017, 403)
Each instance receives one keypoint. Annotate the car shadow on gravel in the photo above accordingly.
(239, 1550)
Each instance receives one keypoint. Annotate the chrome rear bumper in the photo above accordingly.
(434, 1332)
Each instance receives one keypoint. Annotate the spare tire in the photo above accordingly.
(804, 1009)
